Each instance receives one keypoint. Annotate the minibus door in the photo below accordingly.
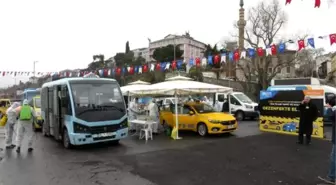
(55, 126)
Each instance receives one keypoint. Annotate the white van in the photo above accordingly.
(241, 106)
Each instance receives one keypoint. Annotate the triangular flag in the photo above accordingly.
(210, 59)
(140, 69)
(204, 61)
(231, 56)
(223, 58)
(251, 52)
(311, 42)
(152, 67)
(332, 38)
(268, 50)
(282, 47)
(167, 65)
(243, 54)
(301, 44)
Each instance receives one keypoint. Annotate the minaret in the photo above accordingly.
(241, 25)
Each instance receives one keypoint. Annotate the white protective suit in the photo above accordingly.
(11, 120)
(218, 106)
(133, 112)
(206, 100)
(25, 128)
(154, 116)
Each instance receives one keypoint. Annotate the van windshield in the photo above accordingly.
(243, 98)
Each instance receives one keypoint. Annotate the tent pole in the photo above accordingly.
(229, 100)
(176, 117)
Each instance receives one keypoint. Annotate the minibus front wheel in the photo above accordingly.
(66, 139)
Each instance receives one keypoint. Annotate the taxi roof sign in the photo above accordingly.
(91, 75)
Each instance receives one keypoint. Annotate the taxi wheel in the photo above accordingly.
(66, 140)
(202, 129)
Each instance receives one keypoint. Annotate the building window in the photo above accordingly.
(279, 70)
(288, 70)
(270, 70)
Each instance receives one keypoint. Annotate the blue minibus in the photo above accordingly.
(83, 110)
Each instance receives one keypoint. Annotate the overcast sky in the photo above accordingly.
(66, 33)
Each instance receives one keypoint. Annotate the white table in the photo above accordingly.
(139, 124)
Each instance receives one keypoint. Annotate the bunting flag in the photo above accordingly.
(317, 3)
(301, 44)
(24, 73)
(217, 59)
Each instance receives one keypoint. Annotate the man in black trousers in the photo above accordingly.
(308, 114)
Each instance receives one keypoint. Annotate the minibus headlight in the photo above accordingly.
(79, 128)
(124, 124)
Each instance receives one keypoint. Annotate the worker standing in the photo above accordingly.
(11, 121)
(26, 115)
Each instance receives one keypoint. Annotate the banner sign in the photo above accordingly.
(279, 111)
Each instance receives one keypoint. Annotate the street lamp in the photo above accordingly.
(34, 70)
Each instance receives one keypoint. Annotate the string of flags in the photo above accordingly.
(24, 73)
(317, 3)
(212, 60)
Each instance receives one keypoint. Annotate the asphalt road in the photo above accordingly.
(247, 156)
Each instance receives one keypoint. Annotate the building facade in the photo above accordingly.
(191, 47)
(324, 65)
(142, 52)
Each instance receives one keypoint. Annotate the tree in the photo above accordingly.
(122, 59)
(139, 60)
(167, 53)
(306, 66)
(96, 64)
(263, 25)
(196, 73)
(127, 50)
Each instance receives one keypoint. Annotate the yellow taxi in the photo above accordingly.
(198, 117)
(4, 104)
(38, 120)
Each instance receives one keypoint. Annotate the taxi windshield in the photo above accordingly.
(203, 108)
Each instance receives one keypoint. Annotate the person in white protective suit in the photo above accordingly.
(10, 124)
(133, 112)
(206, 100)
(218, 106)
(133, 109)
(154, 115)
(24, 127)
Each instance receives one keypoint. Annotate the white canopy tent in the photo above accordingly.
(137, 85)
(139, 82)
(180, 87)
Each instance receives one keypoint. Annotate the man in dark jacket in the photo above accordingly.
(308, 114)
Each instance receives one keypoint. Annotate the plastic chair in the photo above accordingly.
(146, 132)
